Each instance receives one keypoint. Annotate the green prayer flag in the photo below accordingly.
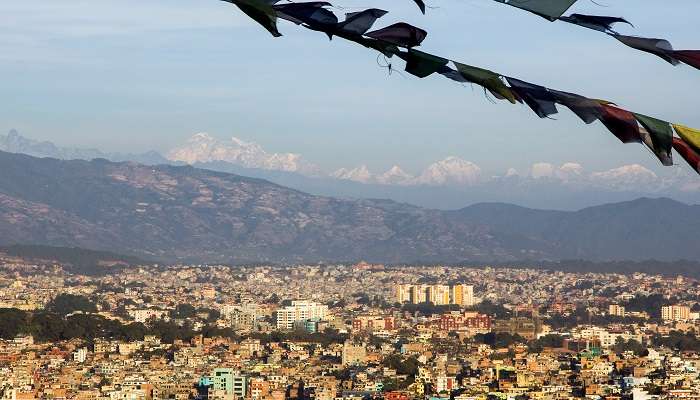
(659, 137)
(488, 79)
(423, 64)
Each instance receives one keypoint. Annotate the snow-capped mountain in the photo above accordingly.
(360, 174)
(202, 148)
(451, 170)
(627, 177)
(395, 176)
(567, 172)
(453, 181)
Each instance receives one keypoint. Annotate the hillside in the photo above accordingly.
(184, 213)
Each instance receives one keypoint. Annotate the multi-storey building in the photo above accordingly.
(418, 294)
(354, 353)
(462, 295)
(403, 293)
(675, 313)
(225, 384)
(468, 321)
(300, 311)
(616, 310)
(243, 317)
(438, 294)
(373, 323)
(459, 294)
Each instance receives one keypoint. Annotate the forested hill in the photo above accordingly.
(188, 214)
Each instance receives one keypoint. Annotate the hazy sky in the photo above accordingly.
(128, 75)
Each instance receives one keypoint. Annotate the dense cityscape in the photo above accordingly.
(356, 200)
(344, 332)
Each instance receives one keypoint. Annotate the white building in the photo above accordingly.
(80, 355)
(439, 294)
(300, 311)
(143, 315)
(675, 313)
(607, 339)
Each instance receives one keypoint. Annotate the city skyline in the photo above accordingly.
(310, 332)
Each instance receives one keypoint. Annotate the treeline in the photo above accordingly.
(70, 316)
(325, 338)
(581, 316)
(50, 326)
(74, 259)
(499, 340)
(428, 308)
(679, 341)
(47, 326)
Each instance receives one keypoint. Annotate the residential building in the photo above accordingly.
(675, 313)
(300, 311)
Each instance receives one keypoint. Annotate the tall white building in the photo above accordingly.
(460, 294)
(463, 295)
(439, 294)
(300, 311)
(403, 293)
(675, 313)
(80, 355)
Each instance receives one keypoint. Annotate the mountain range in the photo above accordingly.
(184, 213)
(13, 142)
(445, 184)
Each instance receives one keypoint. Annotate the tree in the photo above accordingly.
(498, 340)
(212, 314)
(489, 308)
(403, 366)
(622, 345)
(679, 341)
(13, 322)
(551, 341)
(183, 311)
(428, 308)
(66, 303)
(273, 299)
(651, 304)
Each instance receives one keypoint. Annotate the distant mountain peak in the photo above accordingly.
(451, 170)
(203, 148)
(395, 176)
(360, 174)
(14, 142)
(627, 177)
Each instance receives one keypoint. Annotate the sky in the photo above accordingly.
(133, 76)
